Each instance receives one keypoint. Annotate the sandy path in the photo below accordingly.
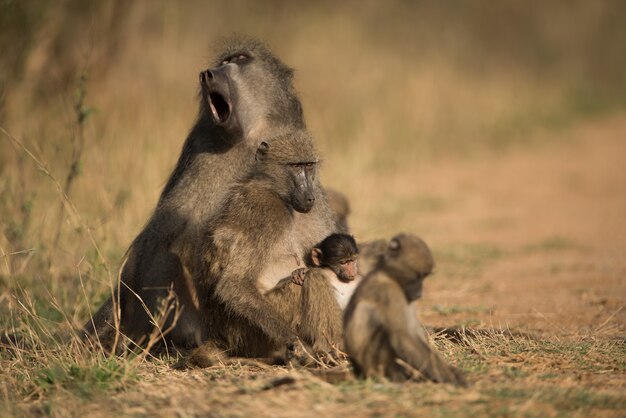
(545, 227)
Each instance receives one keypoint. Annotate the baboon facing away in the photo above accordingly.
(341, 208)
(259, 215)
(382, 334)
(245, 97)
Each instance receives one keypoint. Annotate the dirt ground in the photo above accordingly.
(546, 231)
(532, 240)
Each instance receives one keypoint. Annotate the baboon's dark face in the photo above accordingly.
(408, 260)
(339, 253)
(247, 90)
(290, 163)
(301, 183)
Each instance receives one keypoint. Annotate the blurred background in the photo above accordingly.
(103, 93)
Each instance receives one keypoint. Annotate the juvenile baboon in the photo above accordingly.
(246, 96)
(341, 208)
(382, 334)
(258, 217)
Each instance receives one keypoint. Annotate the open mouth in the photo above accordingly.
(219, 107)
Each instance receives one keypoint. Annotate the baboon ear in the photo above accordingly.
(261, 152)
(316, 257)
(394, 245)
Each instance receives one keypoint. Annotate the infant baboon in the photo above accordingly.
(258, 215)
(308, 303)
(382, 334)
(337, 258)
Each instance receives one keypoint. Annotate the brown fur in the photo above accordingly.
(311, 309)
(306, 301)
(369, 255)
(215, 156)
(258, 218)
(382, 334)
(341, 208)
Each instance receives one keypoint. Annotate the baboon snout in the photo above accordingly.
(304, 203)
(216, 91)
(307, 204)
(206, 76)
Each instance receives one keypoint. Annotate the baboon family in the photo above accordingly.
(256, 253)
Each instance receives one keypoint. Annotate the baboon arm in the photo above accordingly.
(359, 327)
(249, 303)
(321, 314)
(237, 289)
(421, 356)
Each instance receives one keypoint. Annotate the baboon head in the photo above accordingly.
(340, 206)
(290, 164)
(339, 253)
(248, 87)
(408, 261)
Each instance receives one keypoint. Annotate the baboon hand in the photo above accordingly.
(297, 276)
(297, 353)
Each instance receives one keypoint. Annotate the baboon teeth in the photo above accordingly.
(219, 107)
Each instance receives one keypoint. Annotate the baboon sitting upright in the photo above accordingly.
(258, 216)
(247, 96)
(382, 334)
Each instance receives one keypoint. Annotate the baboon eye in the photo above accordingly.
(235, 58)
(303, 165)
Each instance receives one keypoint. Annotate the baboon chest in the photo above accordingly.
(343, 291)
(282, 260)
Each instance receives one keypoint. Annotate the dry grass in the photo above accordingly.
(494, 131)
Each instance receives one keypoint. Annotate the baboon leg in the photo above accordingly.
(252, 309)
(286, 299)
(144, 306)
(419, 355)
(311, 309)
(188, 329)
(100, 328)
(320, 323)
